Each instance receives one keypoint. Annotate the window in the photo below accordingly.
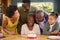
(46, 6)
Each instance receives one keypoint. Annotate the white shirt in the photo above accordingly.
(25, 30)
(51, 27)
(58, 19)
(42, 25)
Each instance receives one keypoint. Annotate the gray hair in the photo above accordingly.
(40, 12)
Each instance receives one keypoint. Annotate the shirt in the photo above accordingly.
(23, 16)
(42, 24)
(25, 29)
(51, 27)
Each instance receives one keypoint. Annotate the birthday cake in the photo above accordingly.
(31, 36)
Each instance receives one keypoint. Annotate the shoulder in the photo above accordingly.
(24, 25)
(5, 21)
(33, 9)
(36, 25)
(47, 24)
(19, 8)
(56, 24)
(5, 18)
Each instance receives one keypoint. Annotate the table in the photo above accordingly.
(24, 37)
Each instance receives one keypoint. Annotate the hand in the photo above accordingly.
(12, 33)
(54, 32)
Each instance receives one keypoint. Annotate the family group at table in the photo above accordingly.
(27, 19)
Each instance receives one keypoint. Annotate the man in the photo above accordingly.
(24, 10)
(39, 19)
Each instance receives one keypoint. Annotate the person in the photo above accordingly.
(10, 20)
(24, 11)
(45, 17)
(39, 19)
(1, 18)
(30, 26)
(58, 20)
(51, 27)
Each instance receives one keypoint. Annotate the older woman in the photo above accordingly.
(10, 20)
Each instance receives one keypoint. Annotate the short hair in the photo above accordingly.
(40, 12)
(31, 14)
(26, 1)
(10, 10)
(54, 14)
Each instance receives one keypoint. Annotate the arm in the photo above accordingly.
(56, 29)
(54, 32)
(45, 31)
(4, 23)
(22, 30)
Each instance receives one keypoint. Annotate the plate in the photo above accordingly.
(54, 37)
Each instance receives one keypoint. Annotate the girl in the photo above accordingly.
(30, 26)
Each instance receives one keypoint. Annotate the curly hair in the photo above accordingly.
(10, 10)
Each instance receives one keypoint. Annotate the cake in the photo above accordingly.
(31, 36)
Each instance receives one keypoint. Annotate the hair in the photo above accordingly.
(30, 15)
(54, 14)
(10, 10)
(40, 12)
(26, 1)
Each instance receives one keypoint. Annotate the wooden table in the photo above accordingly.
(24, 37)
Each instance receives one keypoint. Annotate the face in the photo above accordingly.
(39, 17)
(26, 6)
(16, 14)
(51, 20)
(30, 21)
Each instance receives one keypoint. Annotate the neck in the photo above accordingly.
(30, 27)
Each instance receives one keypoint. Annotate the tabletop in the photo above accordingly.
(24, 37)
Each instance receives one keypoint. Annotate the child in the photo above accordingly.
(30, 26)
(52, 26)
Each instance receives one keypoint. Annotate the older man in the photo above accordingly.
(39, 19)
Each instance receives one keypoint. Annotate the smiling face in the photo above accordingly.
(51, 20)
(26, 6)
(16, 14)
(30, 20)
(39, 17)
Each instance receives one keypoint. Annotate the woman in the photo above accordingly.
(30, 26)
(10, 20)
